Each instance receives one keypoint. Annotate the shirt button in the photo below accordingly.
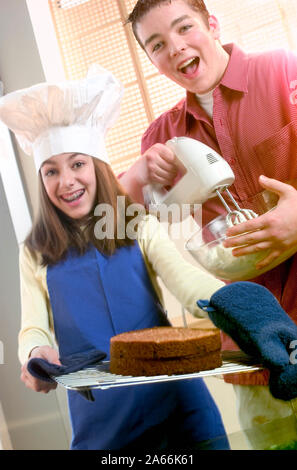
(232, 161)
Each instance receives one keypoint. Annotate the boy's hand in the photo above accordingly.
(276, 230)
(160, 165)
(157, 165)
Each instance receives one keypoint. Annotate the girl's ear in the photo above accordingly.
(214, 26)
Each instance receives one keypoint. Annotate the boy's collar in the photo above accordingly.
(236, 74)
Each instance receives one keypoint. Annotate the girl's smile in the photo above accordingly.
(74, 197)
(70, 182)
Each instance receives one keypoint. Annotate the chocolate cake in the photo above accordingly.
(165, 351)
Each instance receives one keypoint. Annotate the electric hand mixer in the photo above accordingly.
(207, 175)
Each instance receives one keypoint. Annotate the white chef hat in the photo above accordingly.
(72, 116)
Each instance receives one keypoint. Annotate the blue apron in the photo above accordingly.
(93, 298)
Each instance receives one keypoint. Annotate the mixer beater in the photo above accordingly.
(237, 216)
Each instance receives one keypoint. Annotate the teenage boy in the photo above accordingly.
(244, 106)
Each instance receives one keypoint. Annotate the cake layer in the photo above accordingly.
(170, 366)
(165, 342)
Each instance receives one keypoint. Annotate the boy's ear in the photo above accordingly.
(214, 26)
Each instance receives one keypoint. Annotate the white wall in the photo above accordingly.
(13, 186)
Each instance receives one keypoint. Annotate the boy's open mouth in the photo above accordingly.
(190, 66)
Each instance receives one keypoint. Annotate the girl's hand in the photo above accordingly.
(50, 355)
(276, 230)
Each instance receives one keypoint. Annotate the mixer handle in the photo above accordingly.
(204, 171)
(156, 194)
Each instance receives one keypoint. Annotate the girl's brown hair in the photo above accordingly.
(53, 232)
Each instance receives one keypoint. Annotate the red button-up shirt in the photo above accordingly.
(254, 128)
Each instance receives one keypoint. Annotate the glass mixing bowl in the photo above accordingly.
(206, 246)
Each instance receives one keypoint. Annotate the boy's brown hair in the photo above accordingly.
(53, 232)
(142, 7)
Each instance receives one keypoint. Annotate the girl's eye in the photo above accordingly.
(49, 173)
(78, 164)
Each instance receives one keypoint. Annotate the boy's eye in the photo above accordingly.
(156, 46)
(185, 28)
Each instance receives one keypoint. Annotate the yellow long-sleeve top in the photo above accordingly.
(185, 281)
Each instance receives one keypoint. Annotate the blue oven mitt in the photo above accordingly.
(43, 370)
(254, 319)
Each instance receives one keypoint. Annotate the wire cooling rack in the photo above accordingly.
(99, 376)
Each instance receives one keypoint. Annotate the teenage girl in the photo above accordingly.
(78, 289)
